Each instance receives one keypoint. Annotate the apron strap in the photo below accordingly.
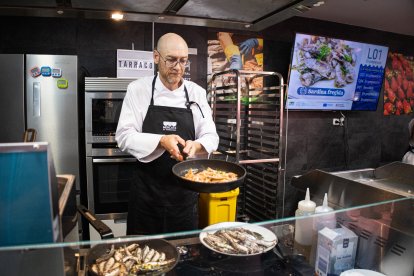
(152, 92)
(188, 103)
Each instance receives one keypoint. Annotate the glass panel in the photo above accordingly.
(105, 115)
(112, 181)
(384, 234)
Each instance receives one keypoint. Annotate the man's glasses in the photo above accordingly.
(172, 62)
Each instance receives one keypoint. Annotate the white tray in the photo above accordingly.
(266, 234)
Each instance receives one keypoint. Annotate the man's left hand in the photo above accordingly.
(192, 147)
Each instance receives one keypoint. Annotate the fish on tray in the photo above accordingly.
(238, 241)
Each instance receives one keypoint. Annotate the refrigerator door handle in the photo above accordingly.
(36, 99)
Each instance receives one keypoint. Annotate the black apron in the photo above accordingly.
(157, 204)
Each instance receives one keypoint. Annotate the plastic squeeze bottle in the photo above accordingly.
(303, 226)
(320, 222)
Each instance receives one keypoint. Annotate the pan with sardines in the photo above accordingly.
(238, 238)
(209, 175)
(149, 257)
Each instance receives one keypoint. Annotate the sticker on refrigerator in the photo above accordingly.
(35, 72)
(56, 72)
(46, 71)
(62, 83)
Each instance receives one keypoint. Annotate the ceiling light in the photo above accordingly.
(247, 25)
(117, 16)
(319, 3)
(161, 17)
(59, 12)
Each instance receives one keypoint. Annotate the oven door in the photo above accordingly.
(102, 110)
(108, 181)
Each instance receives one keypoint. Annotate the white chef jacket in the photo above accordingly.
(145, 146)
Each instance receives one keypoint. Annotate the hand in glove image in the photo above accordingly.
(249, 44)
(230, 50)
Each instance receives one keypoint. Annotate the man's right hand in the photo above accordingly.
(169, 143)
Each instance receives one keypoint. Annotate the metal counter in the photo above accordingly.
(386, 231)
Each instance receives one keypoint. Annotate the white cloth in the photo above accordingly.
(144, 146)
(408, 158)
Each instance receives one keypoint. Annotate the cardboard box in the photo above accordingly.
(336, 251)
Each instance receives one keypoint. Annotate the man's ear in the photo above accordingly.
(156, 57)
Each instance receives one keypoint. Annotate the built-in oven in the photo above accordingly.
(109, 171)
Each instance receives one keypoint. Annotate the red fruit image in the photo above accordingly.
(391, 95)
(405, 84)
(396, 64)
(409, 73)
(410, 89)
(397, 112)
(399, 79)
(388, 73)
(386, 113)
(407, 107)
(394, 84)
(386, 84)
(389, 107)
(398, 104)
(400, 93)
(412, 103)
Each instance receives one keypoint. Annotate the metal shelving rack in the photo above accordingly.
(249, 120)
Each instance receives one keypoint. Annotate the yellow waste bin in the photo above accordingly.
(217, 207)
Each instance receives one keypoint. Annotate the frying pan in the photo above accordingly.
(180, 169)
(105, 232)
(157, 244)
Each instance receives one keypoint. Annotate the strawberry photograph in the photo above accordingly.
(399, 85)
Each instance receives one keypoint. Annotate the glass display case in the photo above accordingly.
(384, 243)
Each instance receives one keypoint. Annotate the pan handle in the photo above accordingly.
(104, 231)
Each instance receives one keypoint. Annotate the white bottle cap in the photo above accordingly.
(324, 208)
(307, 205)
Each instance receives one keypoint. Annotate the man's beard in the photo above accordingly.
(173, 79)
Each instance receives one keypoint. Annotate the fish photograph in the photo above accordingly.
(320, 58)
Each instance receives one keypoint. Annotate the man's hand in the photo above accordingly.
(192, 147)
(169, 143)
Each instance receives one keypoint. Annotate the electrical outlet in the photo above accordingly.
(336, 121)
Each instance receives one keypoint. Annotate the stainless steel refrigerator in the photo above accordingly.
(41, 92)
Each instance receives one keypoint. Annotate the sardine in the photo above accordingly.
(149, 256)
(156, 257)
(118, 256)
(144, 253)
(132, 247)
(109, 264)
(162, 257)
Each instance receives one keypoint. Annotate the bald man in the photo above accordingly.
(158, 113)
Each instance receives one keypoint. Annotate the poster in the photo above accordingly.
(134, 64)
(232, 51)
(399, 85)
(335, 74)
